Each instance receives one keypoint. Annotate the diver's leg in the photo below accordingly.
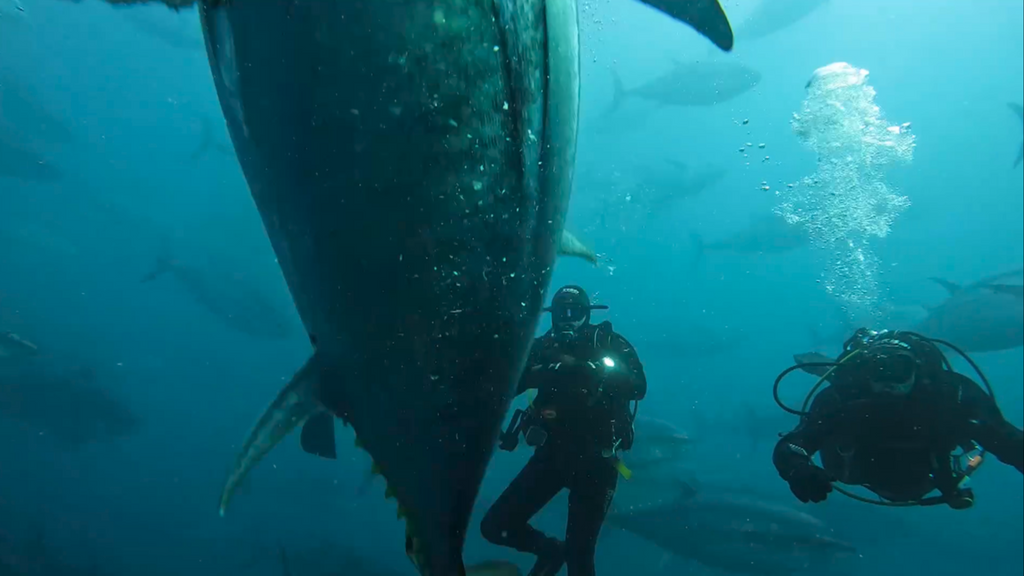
(507, 523)
(590, 495)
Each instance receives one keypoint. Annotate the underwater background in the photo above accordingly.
(133, 260)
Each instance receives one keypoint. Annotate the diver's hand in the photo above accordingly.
(810, 483)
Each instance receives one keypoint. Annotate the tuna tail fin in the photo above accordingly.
(619, 95)
(705, 16)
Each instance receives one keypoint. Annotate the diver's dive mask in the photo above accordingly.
(567, 319)
(892, 363)
(888, 367)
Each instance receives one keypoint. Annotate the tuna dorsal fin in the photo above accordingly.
(952, 287)
(705, 16)
(1008, 289)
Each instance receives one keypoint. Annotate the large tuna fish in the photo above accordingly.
(411, 161)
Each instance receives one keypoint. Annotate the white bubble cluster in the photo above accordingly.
(847, 202)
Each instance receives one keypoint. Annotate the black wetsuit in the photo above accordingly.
(898, 448)
(582, 426)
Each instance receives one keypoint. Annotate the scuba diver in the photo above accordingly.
(586, 377)
(891, 419)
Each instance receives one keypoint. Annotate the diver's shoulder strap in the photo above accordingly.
(603, 334)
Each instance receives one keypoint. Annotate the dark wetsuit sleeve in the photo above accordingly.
(988, 426)
(795, 449)
(636, 386)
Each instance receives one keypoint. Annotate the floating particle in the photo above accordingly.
(761, 145)
(746, 121)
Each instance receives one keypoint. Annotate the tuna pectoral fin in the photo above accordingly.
(318, 436)
(292, 407)
(815, 359)
(163, 265)
(493, 569)
(705, 16)
(569, 245)
(952, 287)
(1008, 289)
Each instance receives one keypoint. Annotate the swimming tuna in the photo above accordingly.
(658, 444)
(766, 235)
(237, 301)
(412, 162)
(63, 404)
(15, 348)
(659, 190)
(1020, 114)
(703, 83)
(725, 530)
(982, 317)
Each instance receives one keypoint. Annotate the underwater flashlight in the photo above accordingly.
(608, 362)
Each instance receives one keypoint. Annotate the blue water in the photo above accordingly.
(73, 251)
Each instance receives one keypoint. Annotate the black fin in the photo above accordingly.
(682, 167)
(687, 489)
(619, 93)
(952, 287)
(285, 565)
(705, 16)
(318, 436)
(814, 358)
(164, 264)
(1008, 289)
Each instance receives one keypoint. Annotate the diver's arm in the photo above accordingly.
(629, 381)
(988, 426)
(795, 450)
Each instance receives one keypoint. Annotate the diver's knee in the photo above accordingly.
(492, 528)
(579, 557)
(580, 565)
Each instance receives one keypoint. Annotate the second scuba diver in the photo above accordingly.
(890, 419)
(586, 377)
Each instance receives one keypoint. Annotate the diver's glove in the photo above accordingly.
(810, 483)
